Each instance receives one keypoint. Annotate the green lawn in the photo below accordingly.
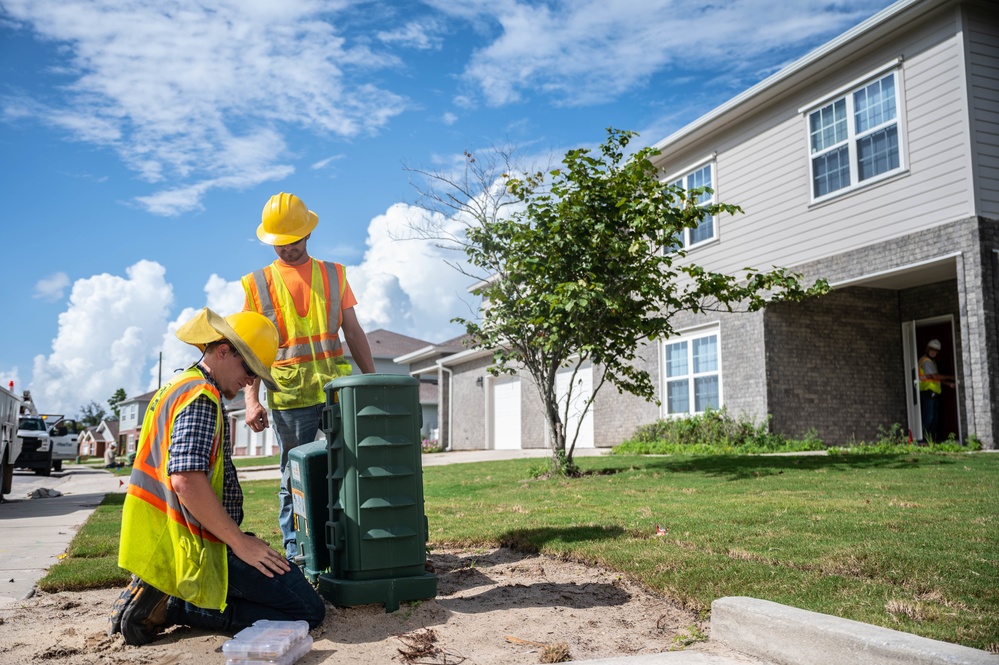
(909, 542)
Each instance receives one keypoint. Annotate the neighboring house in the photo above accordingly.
(386, 348)
(246, 442)
(436, 387)
(870, 162)
(131, 411)
(95, 439)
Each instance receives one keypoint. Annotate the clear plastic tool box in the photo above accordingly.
(269, 643)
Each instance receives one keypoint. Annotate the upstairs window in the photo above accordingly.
(855, 138)
(702, 177)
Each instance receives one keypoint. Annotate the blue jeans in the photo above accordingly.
(293, 428)
(254, 596)
(929, 407)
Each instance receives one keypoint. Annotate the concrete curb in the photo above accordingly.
(668, 658)
(790, 636)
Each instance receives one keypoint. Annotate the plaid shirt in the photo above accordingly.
(191, 447)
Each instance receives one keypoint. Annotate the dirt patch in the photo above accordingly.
(494, 606)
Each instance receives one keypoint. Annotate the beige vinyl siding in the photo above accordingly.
(763, 162)
(983, 73)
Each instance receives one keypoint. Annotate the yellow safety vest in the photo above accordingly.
(310, 355)
(932, 386)
(161, 542)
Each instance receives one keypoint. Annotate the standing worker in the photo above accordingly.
(929, 391)
(310, 302)
(180, 534)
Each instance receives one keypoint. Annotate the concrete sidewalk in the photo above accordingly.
(37, 531)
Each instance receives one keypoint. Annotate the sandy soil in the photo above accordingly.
(492, 607)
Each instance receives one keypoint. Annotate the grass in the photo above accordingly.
(903, 541)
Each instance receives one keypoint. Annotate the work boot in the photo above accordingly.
(145, 616)
(120, 605)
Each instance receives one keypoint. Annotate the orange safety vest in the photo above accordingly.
(310, 354)
(161, 542)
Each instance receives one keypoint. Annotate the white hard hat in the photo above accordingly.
(933, 344)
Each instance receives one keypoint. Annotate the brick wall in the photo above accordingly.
(834, 365)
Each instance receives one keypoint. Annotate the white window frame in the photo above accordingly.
(683, 179)
(846, 94)
(689, 336)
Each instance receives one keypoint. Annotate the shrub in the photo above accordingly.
(711, 432)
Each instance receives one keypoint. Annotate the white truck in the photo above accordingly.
(47, 439)
(10, 444)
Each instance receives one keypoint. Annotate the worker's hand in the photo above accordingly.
(256, 417)
(260, 555)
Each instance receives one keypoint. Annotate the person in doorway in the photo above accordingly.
(192, 565)
(310, 302)
(930, 382)
(111, 456)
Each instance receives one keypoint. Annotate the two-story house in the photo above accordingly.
(131, 411)
(872, 162)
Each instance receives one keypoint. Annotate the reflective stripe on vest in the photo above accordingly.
(161, 542)
(932, 386)
(310, 354)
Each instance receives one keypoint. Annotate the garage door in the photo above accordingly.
(580, 393)
(506, 412)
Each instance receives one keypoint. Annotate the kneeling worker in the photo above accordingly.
(180, 535)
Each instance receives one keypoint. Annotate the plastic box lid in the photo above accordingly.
(296, 651)
(266, 640)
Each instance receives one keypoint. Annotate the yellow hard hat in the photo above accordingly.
(253, 335)
(285, 220)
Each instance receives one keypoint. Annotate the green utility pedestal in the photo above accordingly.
(377, 529)
(310, 496)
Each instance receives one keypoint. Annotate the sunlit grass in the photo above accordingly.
(903, 541)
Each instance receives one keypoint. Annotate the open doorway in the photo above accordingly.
(918, 336)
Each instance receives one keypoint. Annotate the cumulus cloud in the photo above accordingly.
(107, 335)
(203, 93)
(405, 283)
(53, 287)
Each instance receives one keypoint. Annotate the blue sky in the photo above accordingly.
(140, 140)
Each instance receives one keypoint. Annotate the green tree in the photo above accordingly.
(582, 264)
(91, 414)
(116, 399)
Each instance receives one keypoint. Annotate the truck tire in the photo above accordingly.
(6, 476)
(57, 465)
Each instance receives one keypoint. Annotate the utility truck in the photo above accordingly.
(47, 439)
(10, 444)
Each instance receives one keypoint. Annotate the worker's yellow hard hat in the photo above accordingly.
(253, 335)
(285, 220)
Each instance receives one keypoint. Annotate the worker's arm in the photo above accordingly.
(357, 342)
(195, 492)
(256, 413)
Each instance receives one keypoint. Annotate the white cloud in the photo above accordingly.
(53, 287)
(420, 35)
(590, 51)
(404, 283)
(107, 336)
(449, 118)
(204, 92)
(323, 163)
